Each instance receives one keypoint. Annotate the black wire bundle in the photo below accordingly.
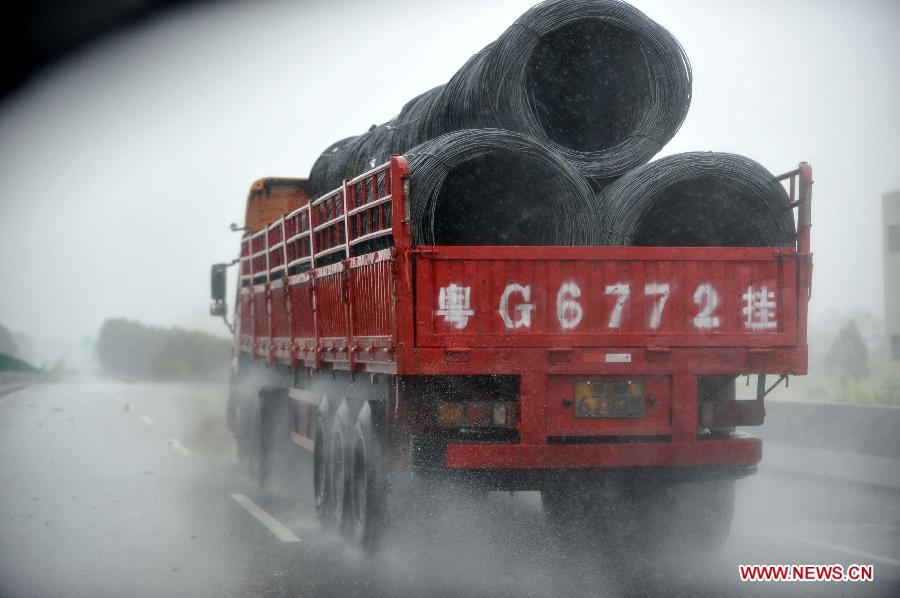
(329, 167)
(596, 79)
(496, 187)
(698, 199)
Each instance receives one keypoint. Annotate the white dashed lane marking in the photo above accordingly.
(273, 525)
(860, 553)
(13, 394)
(180, 447)
(146, 420)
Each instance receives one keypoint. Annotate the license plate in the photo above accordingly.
(609, 398)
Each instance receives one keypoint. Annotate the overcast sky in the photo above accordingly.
(123, 165)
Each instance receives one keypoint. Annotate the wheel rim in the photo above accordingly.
(360, 489)
(337, 475)
(319, 471)
(260, 456)
(253, 447)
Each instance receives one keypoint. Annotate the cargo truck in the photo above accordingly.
(566, 370)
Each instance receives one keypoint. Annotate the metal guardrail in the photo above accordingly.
(16, 377)
(12, 381)
(855, 443)
(862, 429)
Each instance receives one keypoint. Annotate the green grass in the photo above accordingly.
(8, 363)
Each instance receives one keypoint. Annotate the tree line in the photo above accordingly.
(133, 350)
(8, 344)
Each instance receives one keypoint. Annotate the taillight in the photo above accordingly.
(728, 414)
(478, 414)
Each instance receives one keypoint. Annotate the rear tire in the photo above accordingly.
(269, 434)
(704, 513)
(559, 507)
(340, 466)
(257, 457)
(368, 483)
(322, 468)
(244, 427)
(684, 516)
(604, 509)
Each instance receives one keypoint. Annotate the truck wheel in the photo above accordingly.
(322, 467)
(240, 433)
(368, 478)
(685, 516)
(600, 509)
(259, 458)
(231, 408)
(248, 441)
(244, 427)
(340, 466)
(270, 432)
(704, 513)
(560, 507)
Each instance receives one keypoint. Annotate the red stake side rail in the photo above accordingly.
(562, 316)
(700, 310)
(337, 285)
(313, 292)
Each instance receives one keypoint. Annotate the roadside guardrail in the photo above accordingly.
(859, 443)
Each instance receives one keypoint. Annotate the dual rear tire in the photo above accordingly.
(350, 473)
(260, 427)
(646, 514)
(368, 478)
(322, 466)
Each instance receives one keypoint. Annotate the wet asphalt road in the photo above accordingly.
(134, 490)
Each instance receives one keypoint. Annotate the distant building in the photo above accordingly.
(890, 217)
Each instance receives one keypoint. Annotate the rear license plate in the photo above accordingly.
(609, 398)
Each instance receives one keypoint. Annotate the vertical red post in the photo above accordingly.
(268, 297)
(804, 259)
(532, 408)
(345, 193)
(311, 221)
(804, 208)
(351, 348)
(684, 408)
(403, 319)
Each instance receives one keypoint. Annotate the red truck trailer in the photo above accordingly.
(519, 368)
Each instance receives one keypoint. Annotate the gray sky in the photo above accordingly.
(123, 166)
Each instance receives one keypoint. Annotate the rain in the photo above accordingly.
(585, 235)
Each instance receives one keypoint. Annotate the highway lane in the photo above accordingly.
(133, 489)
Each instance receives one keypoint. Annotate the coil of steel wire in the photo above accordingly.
(496, 187)
(604, 83)
(329, 167)
(597, 79)
(698, 199)
(355, 158)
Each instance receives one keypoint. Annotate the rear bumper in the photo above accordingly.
(745, 451)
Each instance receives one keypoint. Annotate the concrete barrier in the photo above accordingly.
(859, 443)
(13, 381)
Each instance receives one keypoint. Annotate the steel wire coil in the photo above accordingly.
(600, 80)
(413, 125)
(496, 187)
(698, 199)
(597, 79)
(330, 167)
